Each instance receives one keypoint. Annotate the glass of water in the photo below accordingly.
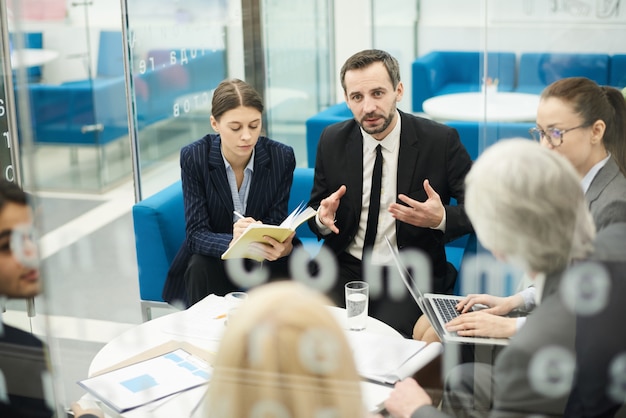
(357, 296)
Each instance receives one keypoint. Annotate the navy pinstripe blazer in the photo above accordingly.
(209, 203)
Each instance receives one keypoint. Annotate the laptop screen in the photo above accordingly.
(407, 279)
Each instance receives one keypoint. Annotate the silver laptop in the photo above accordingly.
(438, 308)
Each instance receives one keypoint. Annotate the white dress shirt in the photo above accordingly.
(388, 193)
(240, 195)
(591, 174)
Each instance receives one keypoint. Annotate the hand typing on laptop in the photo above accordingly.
(486, 322)
(483, 324)
(493, 304)
(482, 316)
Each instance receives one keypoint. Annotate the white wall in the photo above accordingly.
(521, 26)
(353, 33)
(76, 38)
(511, 25)
(395, 22)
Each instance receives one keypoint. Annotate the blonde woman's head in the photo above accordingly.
(284, 355)
(527, 206)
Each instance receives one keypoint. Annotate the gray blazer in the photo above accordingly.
(609, 243)
(607, 196)
(550, 324)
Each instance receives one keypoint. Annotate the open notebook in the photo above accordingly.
(256, 232)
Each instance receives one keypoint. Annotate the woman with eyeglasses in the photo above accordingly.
(586, 123)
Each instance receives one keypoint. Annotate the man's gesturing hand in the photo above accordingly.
(328, 209)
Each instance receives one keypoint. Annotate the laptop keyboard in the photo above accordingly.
(447, 308)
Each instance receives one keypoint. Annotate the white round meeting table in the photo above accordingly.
(160, 330)
(184, 326)
(477, 107)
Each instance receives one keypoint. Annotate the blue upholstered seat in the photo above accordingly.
(476, 136)
(617, 73)
(159, 223)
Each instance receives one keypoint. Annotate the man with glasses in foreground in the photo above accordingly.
(24, 374)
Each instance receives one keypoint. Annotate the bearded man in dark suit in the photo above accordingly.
(423, 167)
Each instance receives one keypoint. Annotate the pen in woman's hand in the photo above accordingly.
(239, 215)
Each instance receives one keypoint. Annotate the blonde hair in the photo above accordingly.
(526, 203)
(285, 353)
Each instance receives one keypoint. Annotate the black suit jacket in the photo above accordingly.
(23, 360)
(209, 203)
(428, 150)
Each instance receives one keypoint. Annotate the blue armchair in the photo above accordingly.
(446, 72)
(159, 223)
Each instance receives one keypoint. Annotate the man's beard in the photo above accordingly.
(381, 129)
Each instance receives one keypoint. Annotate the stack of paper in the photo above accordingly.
(388, 359)
(142, 382)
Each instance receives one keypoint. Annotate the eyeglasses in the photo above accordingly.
(21, 243)
(553, 135)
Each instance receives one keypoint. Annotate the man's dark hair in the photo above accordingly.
(11, 193)
(368, 57)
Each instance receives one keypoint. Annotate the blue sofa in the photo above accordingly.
(476, 136)
(79, 113)
(446, 72)
(617, 72)
(159, 224)
(538, 70)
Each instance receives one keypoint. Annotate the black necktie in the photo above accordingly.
(372, 214)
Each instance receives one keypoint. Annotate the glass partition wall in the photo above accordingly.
(299, 73)
(75, 94)
(93, 155)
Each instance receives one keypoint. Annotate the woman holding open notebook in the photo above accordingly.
(230, 179)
